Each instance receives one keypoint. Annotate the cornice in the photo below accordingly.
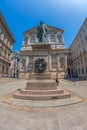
(6, 27)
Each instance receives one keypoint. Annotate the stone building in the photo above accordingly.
(15, 65)
(57, 55)
(70, 72)
(78, 51)
(6, 43)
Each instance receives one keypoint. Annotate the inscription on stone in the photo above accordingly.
(40, 53)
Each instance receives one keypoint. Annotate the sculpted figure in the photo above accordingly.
(42, 29)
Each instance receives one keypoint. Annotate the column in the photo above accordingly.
(27, 61)
(56, 38)
(62, 38)
(50, 62)
(28, 40)
(66, 65)
(57, 66)
(36, 39)
(66, 62)
(48, 38)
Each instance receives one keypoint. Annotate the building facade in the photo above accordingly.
(57, 55)
(6, 43)
(78, 51)
(15, 65)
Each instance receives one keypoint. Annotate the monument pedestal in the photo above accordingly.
(42, 90)
(41, 76)
(41, 86)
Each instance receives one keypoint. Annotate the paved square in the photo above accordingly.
(70, 117)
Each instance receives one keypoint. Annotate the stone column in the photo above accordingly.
(27, 61)
(56, 38)
(62, 38)
(36, 39)
(48, 38)
(5, 69)
(57, 65)
(28, 40)
(50, 62)
(66, 64)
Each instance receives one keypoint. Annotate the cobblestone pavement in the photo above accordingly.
(70, 117)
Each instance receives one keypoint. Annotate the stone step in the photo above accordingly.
(42, 97)
(41, 88)
(41, 92)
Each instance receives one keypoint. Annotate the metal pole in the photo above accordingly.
(57, 80)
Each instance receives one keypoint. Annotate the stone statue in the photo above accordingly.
(42, 29)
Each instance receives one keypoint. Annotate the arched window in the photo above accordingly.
(25, 40)
(32, 39)
(52, 37)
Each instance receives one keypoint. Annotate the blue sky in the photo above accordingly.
(22, 15)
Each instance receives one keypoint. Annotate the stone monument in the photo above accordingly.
(41, 86)
(42, 29)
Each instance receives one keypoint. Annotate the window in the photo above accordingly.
(78, 63)
(8, 55)
(3, 69)
(82, 71)
(0, 30)
(32, 39)
(0, 51)
(83, 31)
(6, 70)
(81, 61)
(79, 46)
(86, 38)
(80, 53)
(85, 59)
(52, 37)
(26, 40)
(79, 71)
(86, 69)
